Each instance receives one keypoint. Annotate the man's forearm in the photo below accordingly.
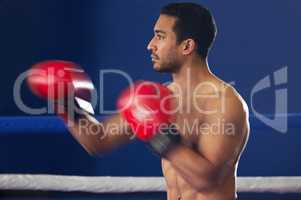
(99, 137)
(193, 167)
(88, 132)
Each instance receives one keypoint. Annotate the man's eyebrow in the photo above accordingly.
(160, 31)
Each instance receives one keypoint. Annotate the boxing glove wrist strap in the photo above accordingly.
(165, 141)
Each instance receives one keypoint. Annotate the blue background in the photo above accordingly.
(255, 38)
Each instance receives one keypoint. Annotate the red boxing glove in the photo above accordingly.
(62, 82)
(147, 108)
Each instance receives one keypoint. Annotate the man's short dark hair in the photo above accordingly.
(192, 21)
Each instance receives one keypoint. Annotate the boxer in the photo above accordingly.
(212, 118)
(198, 124)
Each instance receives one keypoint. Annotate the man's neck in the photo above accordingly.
(191, 73)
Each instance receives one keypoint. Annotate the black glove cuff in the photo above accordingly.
(164, 141)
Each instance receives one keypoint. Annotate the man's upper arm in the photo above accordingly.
(223, 134)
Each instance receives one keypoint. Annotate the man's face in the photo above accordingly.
(163, 46)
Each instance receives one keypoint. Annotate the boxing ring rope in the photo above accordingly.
(108, 184)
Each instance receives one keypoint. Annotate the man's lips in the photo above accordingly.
(154, 57)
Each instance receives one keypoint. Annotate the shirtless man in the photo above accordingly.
(204, 167)
(199, 162)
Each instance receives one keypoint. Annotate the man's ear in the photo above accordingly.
(188, 46)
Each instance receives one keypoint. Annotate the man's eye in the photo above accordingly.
(160, 37)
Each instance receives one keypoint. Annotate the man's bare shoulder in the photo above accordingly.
(235, 105)
(225, 100)
(224, 112)
(226, 128)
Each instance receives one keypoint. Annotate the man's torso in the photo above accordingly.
(189, 119)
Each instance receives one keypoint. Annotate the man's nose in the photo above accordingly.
(151, 46)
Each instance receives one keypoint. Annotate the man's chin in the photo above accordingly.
(159, 68)
(156, 66)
